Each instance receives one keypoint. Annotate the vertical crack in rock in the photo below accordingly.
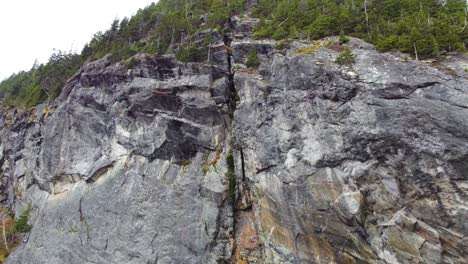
(232, 96)
(225, 230)
(243, 163)
(234, 160)
(83, 220)
(245, 240)
(231, 179)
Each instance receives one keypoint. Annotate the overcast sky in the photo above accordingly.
(31, 29)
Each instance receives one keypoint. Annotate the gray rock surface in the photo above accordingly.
(319, 163)
(129, 169)
(358, 164)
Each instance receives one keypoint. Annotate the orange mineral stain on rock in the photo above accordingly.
(247, 246)
(249, 237)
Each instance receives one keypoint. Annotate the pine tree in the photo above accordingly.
(21, 224)
(343, 38)
(252, 60)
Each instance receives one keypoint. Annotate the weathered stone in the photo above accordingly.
(365, 160)
(242, 48)
(245, 27)
(319, 163)
(119, 168)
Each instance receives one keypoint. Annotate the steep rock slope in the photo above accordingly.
(129, 169)
(352, 164)
(308, 162)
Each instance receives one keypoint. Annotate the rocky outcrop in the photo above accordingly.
(300, 161)
(353, 164)
(129, 169)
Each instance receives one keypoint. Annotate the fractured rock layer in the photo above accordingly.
(300, 161)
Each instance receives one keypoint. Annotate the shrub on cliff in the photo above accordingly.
(21, 224)
(252, 60)
(343, 37)
(9, 239)
(346, 57)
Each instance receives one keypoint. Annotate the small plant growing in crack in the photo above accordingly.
(12, 230)
(252, 60)
(21, 224)
(346, 57)
(231, 175)
(211, 163)
(343, 38)
(184, 165)
(74, 229)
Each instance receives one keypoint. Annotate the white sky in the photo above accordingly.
(31, 29)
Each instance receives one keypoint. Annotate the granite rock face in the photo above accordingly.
(352, 164)
(317, 163)
(129, 169)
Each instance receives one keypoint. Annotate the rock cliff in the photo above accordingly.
(300, 161)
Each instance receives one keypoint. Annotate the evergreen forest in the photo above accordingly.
(422, 28)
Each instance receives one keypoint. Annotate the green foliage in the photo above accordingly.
(192, 53)
(308, 50)
(315, 45)
(185, 164)
(346, 57)
(41, 83)
(343, 38)
(21, 224)
(252, 60)
(425, 27)
(74, 229)
(205, 169)
(284, 44)
(165, 27)
(230, 174)
(280, 33)
(386, 43)
(211, 163)
(130, 63)
(12, 240)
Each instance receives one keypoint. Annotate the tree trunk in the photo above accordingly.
(172, 37)
(367, 17)
(159, 37)
(415, 50)
(4, 234)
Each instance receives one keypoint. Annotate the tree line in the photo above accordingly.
(43, 82)
(170, 26)
(423, 28)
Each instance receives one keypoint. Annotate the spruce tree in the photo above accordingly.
(21, 224)
(252, 60)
